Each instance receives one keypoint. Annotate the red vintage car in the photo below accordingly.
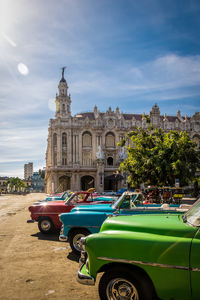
(47, 213)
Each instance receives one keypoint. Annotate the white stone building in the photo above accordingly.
(82, 150)
(28, 171)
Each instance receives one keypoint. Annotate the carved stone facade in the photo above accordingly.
(82, 151)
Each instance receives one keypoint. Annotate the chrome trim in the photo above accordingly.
(82, 226)
(147, 263)
(195, 269)
(84, 279)
(44, 213)
(63, 238)
(83, 243)
(82, 259)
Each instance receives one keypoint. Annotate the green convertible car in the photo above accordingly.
(145, 257)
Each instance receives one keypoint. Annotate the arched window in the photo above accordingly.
(110, 161)
(55, 139)
(87, 182)
(87, 158)
(110, 139)
(64, 139)
(63, 107)
(87, 139)
(64, 159)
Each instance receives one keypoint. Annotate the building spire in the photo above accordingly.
(63, 100)
(63, 71)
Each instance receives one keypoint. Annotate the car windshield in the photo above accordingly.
(67, 198)
(64, 195)
(192, 216)
(124, 201)
(74, 198)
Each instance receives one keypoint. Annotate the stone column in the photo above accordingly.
(80, 149)
(52, 149)
(74, 148)
(56, 182)
(59, 147)
(74, 182)
(78, 187)
(69, 147)
(95, 145)
(52, 187)
(48, 178)
(100, 176)
(77, 148)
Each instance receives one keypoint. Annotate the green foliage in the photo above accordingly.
(157, 158)
(42, 173)
(16, 183)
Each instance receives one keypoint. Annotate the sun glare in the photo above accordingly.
(6, 15)
(23, 69)
(52, 105)
(8, 39)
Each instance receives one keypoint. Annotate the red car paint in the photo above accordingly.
(52, 209)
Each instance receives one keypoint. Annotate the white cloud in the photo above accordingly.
(165, 73)
(70, 34)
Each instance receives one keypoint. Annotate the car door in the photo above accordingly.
(195, 267)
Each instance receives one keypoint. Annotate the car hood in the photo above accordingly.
(83, 218)
(42, 205)
(94, 207)
(168, 225)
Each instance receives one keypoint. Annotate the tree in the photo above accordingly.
(42, 173)
(158, 158)
(16, 183)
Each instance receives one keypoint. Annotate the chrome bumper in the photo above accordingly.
(63, 238)
(84, 279)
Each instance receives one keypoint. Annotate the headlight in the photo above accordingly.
(83, 239)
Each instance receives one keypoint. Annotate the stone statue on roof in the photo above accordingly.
(99, 153)
(63, 71)
(123, 154)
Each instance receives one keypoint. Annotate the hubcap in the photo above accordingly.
(77, 241)
(45, 225)
(121, 289)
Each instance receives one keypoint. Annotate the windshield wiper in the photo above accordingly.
(184, 217)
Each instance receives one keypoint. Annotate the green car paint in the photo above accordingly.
(165, 247)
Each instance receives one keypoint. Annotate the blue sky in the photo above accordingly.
(126, 53)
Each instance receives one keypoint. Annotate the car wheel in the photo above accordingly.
(45, 225)
(75, 238)
(116, 284)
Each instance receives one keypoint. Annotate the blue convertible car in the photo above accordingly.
(86, 219)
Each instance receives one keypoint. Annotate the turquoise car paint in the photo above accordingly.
(96, 207)
(91, 221)
(126, 201)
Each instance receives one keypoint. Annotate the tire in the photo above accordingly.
(74, 239)
(45, 225)
(116, 284)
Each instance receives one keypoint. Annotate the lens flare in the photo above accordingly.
(23, 69)
(52, 105)
(8, 39)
